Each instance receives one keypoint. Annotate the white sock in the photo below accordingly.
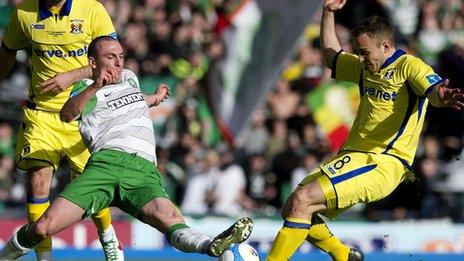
(44, 256)
(108, 234)
(190, 240)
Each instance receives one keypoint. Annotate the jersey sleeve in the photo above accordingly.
(80, 86)
(421, 76)
(14, 38)
(346, 67)
(101, 23)
(132, 78)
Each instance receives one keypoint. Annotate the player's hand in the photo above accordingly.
(452, 98)
(57, 84)
(334, 5)
(162, 93)
(106, 77)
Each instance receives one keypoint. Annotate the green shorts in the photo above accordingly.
(115, 178)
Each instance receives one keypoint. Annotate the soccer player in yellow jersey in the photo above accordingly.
(395, 89)
(56, 33)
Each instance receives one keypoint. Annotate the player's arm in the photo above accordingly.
(161, 94)
(74, 106)
(330, 44)
(442, 96)
(7, 56)
(62, 81)
(14, 39)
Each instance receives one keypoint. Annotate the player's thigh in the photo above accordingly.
(94, 189)
(355, 177)
(38, 143)
(74, 148)
(140, 183)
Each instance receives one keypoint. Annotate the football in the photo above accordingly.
(240, 252)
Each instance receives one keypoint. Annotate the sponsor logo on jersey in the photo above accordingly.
(60, 53)
(331, 169)
(379, 94)
(125, 100)
(37, 26)
(433, 78)
(76, 26)
(114, 35)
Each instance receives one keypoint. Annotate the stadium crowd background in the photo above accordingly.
(177, 41)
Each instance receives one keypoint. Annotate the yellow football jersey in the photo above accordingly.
(56, 40)
(392, 105)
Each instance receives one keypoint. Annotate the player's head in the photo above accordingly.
(105, 52)
(374, 41)
(53, 2)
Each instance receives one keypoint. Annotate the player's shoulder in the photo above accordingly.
(130, 77)
(27, 7)
(411, 60)
(350, 60)
(87, 3)
(128, 74)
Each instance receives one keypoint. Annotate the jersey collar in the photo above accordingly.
(392, 58)
(45, 13)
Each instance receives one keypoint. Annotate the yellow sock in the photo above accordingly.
(35, 209)
(102, 219)
(320, 236)
(289, 238)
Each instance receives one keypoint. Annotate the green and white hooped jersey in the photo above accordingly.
(117, 118)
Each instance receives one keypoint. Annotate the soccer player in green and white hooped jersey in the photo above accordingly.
(130, 128)
(117, 129)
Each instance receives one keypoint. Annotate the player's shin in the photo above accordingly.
(320, 236)
(187, 239)
(289, 238)
(112, 248)
(102, 220)
(35, 209)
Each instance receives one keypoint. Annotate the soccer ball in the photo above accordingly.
(240, 252)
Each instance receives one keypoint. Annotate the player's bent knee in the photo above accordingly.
(161, 213)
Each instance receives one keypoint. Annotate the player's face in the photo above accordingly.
(372, 54)
(110, 56)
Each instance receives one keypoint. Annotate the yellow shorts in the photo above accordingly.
(357, 177)
(43, 139)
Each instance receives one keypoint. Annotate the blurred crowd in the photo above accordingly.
(176, 42)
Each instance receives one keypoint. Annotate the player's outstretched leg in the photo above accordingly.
(236, 233)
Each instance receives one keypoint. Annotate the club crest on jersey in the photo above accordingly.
(389, 74)
(76, 26)
(26, 150)
(132, 82)
(37, 26)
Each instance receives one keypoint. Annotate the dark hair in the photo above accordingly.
(375, 27)
(93, 46)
